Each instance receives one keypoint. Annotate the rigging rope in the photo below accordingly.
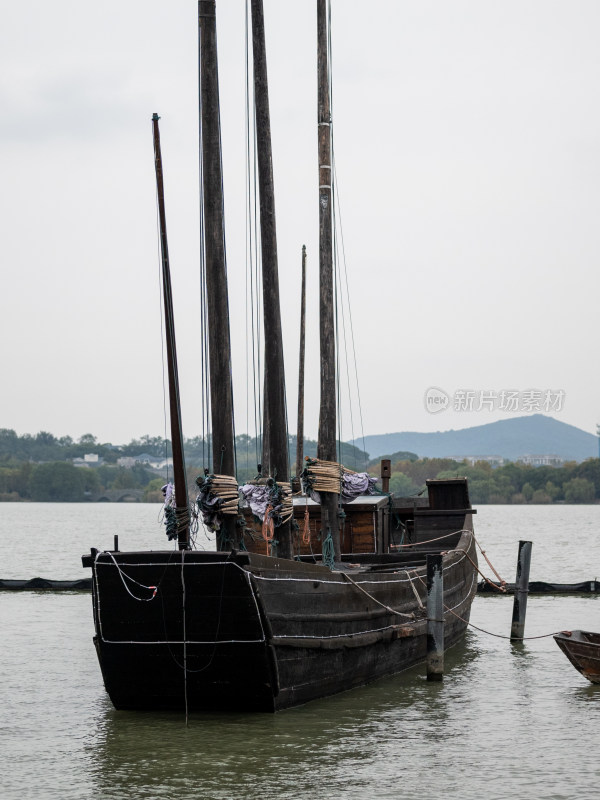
(253, 257)
(342, 298)
(162, 332)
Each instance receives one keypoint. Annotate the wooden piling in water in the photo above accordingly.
(435, 618)
(517, 629)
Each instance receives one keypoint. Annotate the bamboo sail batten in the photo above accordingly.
(218, 500)
(329, 476)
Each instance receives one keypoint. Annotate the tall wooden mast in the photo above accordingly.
(300, 429)
(179, 477)
(327, 417)
(275, 435)
(216, 271)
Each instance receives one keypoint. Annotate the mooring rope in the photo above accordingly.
(500, 588)
(490, 633)
(501, 635)
(412, 586)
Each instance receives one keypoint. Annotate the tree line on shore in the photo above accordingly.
(40, 468)
(513, 483)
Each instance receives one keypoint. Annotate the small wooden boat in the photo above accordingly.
(582, 648)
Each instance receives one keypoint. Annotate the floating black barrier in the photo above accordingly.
(85, 585)
(542, 587)
(82, 585)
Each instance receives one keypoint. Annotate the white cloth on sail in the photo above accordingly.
(275, 496)
(257, 497)
(355, 484)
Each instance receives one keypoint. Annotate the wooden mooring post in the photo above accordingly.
(517, 629)
(435, 618)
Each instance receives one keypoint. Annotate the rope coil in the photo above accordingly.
(306, 526)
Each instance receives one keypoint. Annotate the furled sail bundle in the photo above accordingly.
(329, 476)
(272, 499)
(218, 497)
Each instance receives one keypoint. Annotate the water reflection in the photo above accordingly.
(346, 738)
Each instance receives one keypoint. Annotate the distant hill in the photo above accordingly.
(510, 438)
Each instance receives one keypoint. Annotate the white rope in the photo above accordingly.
(265, 578)
(379, 603)
(123, 575)
(429, 541)
(376, 583)
(337, 635)
(185, 688)
(182, 641)
(412, 586)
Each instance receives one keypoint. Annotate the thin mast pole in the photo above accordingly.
(179, 477)
(275, 449)
(327, 417)
(216, 271)
(300, 430)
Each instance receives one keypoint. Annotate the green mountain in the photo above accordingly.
(535, 434)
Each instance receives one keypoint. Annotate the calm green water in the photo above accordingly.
(508, 720)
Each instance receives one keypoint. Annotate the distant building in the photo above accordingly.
(126, 461)
(541, 461)
(88, 460)
(145, 460)
(493, 461)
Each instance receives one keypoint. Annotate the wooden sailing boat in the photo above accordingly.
(237, 629)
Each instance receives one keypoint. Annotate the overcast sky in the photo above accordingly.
(467, 137)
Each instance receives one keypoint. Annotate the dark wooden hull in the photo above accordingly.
(582, 648)
(241, 631)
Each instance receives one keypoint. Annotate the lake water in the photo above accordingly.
(508, 720)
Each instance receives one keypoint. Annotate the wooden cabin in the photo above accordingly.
(376, 523)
